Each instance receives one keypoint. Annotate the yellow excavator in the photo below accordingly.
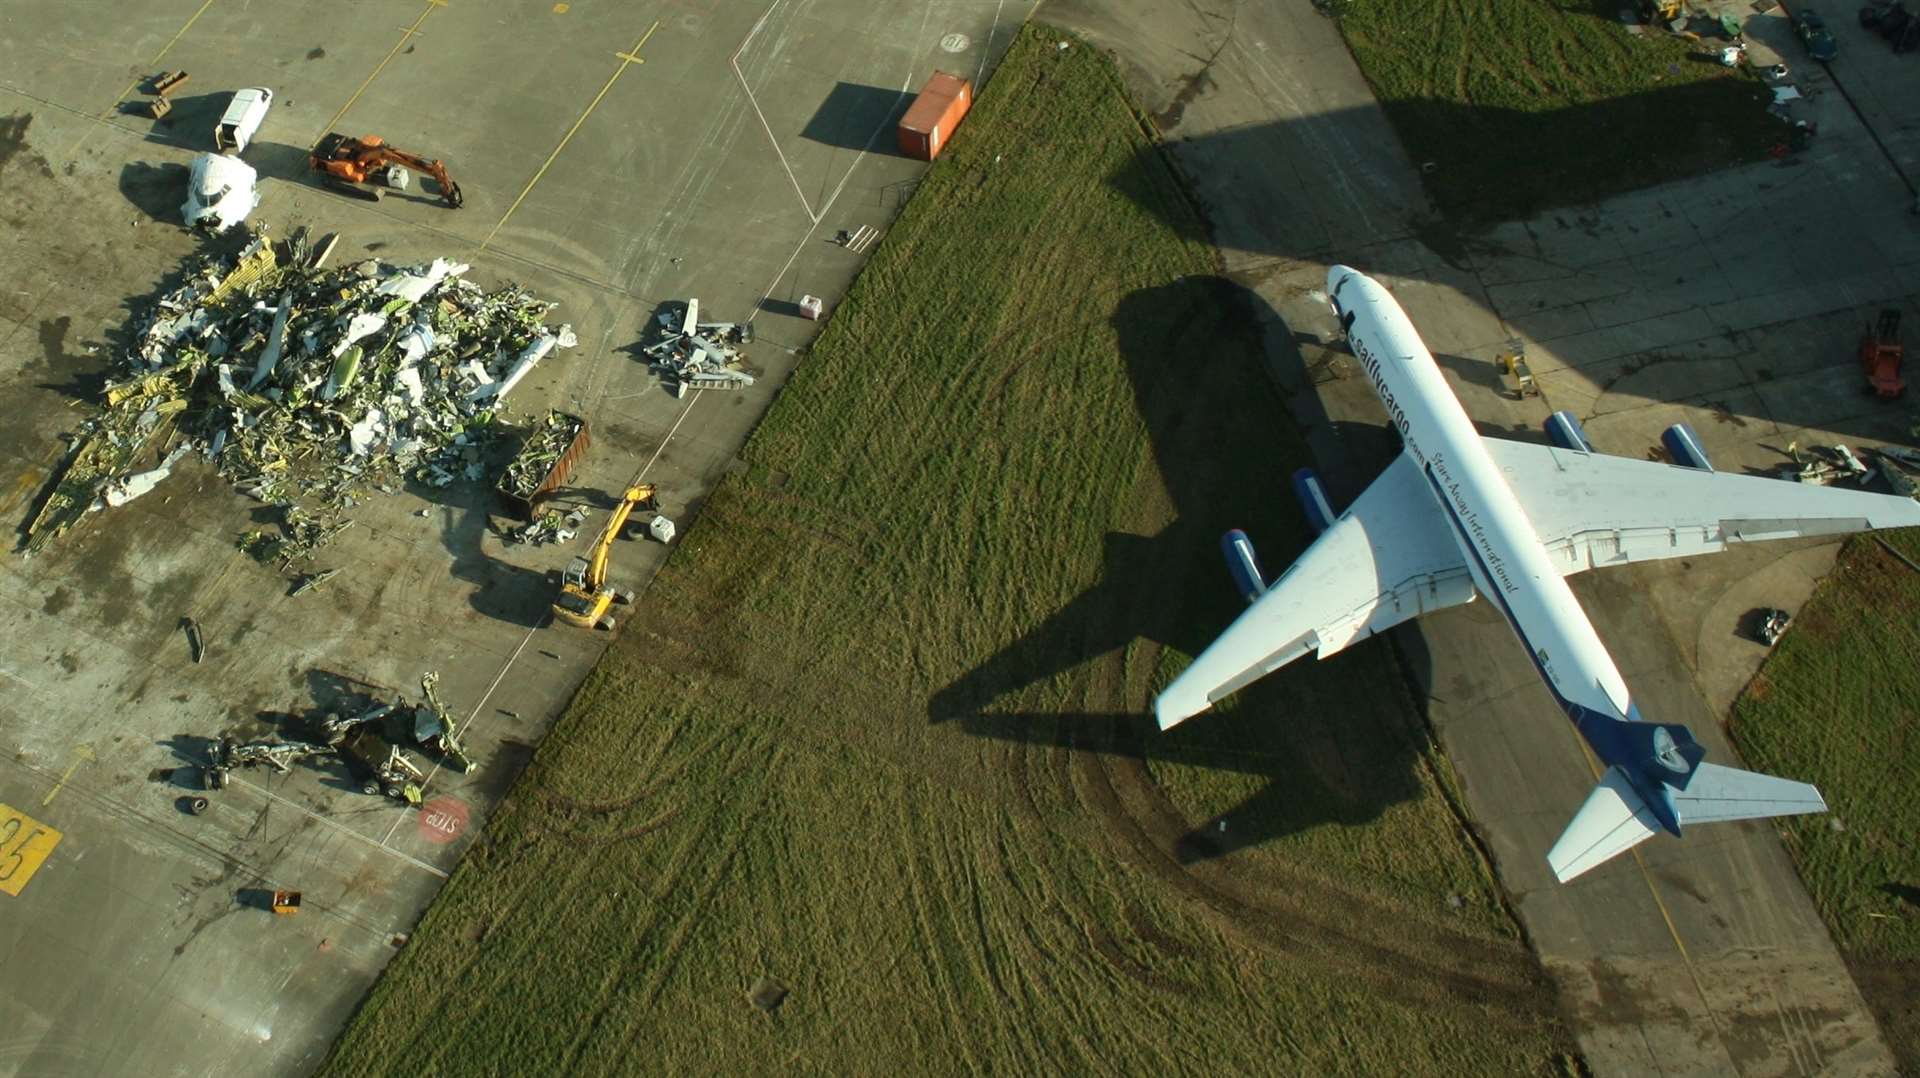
(585, 595)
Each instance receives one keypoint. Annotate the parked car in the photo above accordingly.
(1812, 31)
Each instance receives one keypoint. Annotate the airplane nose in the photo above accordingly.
(1336, 275)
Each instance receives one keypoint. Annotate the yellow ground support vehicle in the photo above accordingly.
(585, 595)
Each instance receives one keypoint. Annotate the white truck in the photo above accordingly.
(242, 119)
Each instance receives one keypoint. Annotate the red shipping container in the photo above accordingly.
(930, 120)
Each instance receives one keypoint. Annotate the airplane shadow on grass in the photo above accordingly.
(1335, 741)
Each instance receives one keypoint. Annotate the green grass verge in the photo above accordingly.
(1512, 106)
(1835, 705)
(877, 731)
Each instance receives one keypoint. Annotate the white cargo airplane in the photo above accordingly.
(1458, 515)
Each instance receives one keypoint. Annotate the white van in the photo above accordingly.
(242, 119)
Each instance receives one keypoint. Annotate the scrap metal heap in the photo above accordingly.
(372, 741)
(307, 387)
(696, 354)
(535, 462)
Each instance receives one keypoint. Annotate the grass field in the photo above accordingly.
(1511, 106)
(876, 734)
(1836, 704)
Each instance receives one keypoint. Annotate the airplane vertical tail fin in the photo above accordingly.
(1616, 818)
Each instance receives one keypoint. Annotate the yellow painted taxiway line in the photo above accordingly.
(631, 56)
(81, 754)
(100, 121)
(406, 34)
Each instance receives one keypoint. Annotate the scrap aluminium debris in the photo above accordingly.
(371, 740)
(545, 460)
(307, 387)
(696, 354)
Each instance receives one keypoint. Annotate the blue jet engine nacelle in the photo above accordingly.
(1683, 444)
(1313, 500)
(1565, 431)
(1243, 565)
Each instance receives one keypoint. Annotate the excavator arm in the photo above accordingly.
(449, 190)
(356, 159)
(584, 594)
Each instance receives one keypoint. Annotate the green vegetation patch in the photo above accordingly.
(1836, 705)
(867, 784)
(1511, 106)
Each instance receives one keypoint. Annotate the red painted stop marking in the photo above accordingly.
(442, 819)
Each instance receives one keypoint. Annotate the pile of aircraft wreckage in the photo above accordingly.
(372, 743)
(306, 387)
(698, 355)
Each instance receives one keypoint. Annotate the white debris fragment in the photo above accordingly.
(476, 372)
(408, 379)
(359, 327)
(416, 342)
(532, 354)
(361, 438)
(413, 287)
(121, 491)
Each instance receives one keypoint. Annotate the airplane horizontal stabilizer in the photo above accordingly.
(1728, 793)
(1613, 821)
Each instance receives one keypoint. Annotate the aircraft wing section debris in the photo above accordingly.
(698, 355)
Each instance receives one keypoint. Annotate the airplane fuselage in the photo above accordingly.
(1510, 566)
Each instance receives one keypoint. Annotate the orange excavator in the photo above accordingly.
(349, 162)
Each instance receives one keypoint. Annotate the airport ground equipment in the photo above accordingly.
(585, 595)
(1773, 624)
(355, 161)
(1881, 354)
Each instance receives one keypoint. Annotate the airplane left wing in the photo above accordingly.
(1590, 509)
(1387, 559)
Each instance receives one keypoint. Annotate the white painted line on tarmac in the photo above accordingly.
(335, 824)
(986, 50)
(734, 62)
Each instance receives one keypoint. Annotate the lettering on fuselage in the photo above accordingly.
(1467, 516)
(1469, 519)
(1370, 363)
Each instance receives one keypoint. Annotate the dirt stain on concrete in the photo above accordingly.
(57, 602)
(53, 339)
(13, 143)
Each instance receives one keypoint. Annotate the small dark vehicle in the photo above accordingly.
(1772, 624)
(1812, 31)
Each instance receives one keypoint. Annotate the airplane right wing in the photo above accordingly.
(1591, 509)
(1387, 559)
